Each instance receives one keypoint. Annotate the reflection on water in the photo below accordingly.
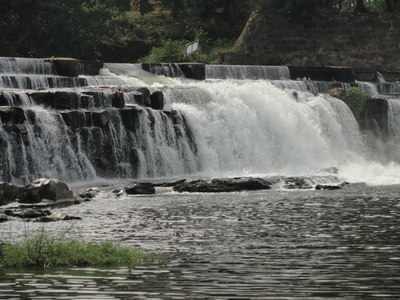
(262, 245)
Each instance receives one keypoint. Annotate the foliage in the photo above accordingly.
(356, 99)
(117, 30)
(44, 252)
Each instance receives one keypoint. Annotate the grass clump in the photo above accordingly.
(43, 252)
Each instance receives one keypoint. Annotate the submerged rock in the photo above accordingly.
(296, 183)
(45, 188)
(89, 194)
(330, 187)
(141, 189)
(55, 217)
(29, 213)
(224, 185)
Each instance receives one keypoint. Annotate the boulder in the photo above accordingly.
(141, 189)
(89, 194)
(29, 213)
(224, 185)
(157, 100)
(9, 193)
(12, 115)
(296, 183)
(74, 67)
(45, 188)
(118, 100)
(3, 218)
(143, 100)
(330, 187)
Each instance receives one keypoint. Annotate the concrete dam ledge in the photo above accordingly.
(71, 67)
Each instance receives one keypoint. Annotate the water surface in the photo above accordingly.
(258, 245)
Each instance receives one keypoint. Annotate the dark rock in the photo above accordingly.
(157, 100)
(118, 100)
(118, 192)
(56, 217)
(44, 188)
(3, 218)
(50, 204)
(12, 115)
(9, 193)
(376, 116)
(90, 193)
(328, 187)
(141, 189)
(74, 67)
(296, 183)
(224, 185)
(194, 70)
(101, 119)
(145, 99)
(29, 213)
(188, 70)
(342, 74)
(75, 119)
(170, 184)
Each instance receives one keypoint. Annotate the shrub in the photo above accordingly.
(356, 99)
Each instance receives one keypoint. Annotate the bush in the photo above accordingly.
(44, 252)
(356, 99)
(170, 51)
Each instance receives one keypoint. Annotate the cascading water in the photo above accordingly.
(254, 127)
(247, 72)
(231, 124)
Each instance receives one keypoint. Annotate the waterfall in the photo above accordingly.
(247, 72)
(255, 127)
(241, 120)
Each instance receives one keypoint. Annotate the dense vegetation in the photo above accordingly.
(126, 30)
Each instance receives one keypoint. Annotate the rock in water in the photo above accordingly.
(224, 185)
(55, 217)
(157, 100)
(9, 193)
(27, 213)
(45, 188)
(328, 187)
(141, 189)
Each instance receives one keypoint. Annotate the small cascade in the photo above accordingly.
(247, 72)
(11, 65)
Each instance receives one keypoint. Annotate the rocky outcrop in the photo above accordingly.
(74, 67)
(142, 188)
(376, 117)
(342, 74)
(195, 71)
(9, 193)
(363, 41)
(44, 188)
(223, 185)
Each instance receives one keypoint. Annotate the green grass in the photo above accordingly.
(44, 252)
